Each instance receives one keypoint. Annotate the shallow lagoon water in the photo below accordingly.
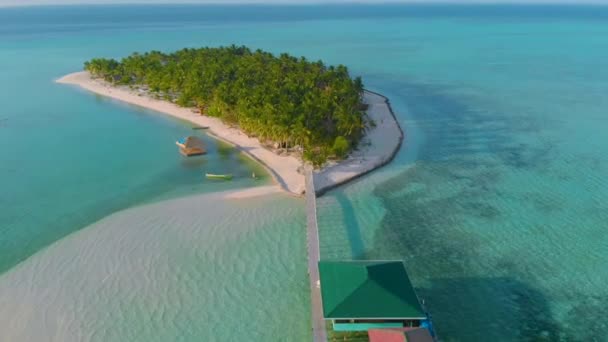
(197, 268)
(496, 202)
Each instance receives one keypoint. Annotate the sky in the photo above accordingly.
(64, 2)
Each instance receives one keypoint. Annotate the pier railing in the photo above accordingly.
(312, 234)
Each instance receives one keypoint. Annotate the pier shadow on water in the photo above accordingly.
(353, 230)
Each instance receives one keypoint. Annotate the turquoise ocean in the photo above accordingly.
(496, 202)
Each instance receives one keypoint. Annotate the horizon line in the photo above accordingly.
(288, 3)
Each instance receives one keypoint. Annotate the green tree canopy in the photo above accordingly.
(283, 99)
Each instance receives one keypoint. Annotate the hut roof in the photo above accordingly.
(367, 289)
(193, 142)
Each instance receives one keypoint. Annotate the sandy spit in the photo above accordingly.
(167, 271)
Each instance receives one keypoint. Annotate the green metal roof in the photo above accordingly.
(367, 289)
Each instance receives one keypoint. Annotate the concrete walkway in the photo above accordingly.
(312, 233)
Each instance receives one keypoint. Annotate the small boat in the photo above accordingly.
(214, 176)
(200, 127)
(191, 146)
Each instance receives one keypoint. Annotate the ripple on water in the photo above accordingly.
(199, 268)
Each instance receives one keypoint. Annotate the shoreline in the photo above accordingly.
(379, 146)
(383, 141)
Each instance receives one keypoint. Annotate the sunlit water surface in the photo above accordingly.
(497, 201)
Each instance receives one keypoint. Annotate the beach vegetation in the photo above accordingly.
(287, 102)
(341, 147)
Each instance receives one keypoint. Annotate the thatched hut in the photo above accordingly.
(191, 146)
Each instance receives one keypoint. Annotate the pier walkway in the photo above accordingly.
(312, 233)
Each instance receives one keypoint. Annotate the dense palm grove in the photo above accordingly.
(292, 102)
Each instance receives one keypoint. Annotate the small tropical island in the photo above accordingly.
(281, 110)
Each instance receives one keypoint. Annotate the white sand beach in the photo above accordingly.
(379, 146)
(251, 192)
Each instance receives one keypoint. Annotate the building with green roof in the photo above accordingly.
(359, 295)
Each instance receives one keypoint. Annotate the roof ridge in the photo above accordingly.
(369, 278)
(354, 289)
(352, 293)
(382, 285)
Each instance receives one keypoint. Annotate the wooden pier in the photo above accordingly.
(312, 233)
